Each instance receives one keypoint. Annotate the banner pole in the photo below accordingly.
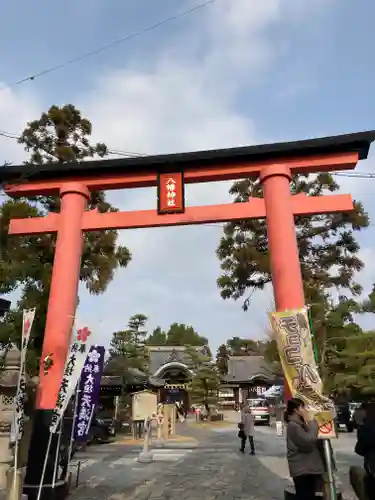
(330, 475)
(326, 442)
(91, 417)
(71, 441)
(44, 466)
(309, 315)
(56, 458)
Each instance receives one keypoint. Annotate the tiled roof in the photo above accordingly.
(160, 355)
(246, 368)
(131, 376)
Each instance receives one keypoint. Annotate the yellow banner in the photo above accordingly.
(293, 336)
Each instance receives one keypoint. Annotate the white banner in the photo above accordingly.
(19, 414)
(73, 368)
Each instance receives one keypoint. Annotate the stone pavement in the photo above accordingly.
(205, 465)
(109, 470)
(274, 459)
(217, 470)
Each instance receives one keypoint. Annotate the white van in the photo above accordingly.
(260, 410)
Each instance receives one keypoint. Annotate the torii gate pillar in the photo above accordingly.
(62, 302)
(282, 242)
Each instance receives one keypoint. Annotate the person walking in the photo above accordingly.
(246, 427)
(280, 409)
(305, 462)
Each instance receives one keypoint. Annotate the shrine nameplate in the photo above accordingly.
(171, 193)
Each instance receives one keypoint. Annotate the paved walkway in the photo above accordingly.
(204, 464)
(215, 471)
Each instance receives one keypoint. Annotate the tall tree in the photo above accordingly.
(136, 325)
(178, 334)
(128, 347)
(352, 367)
(328, 250)
(350, 351)
(59, 136)
(157, 337)
(243, 347)
(206, 379)
(222, 357)
(368, 305)
(327, 247)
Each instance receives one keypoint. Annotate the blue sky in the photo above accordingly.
(236, 72)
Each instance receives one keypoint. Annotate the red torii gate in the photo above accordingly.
(273, 164)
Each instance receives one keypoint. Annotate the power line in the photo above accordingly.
(108, 46)
(126, 154)
(356, 175)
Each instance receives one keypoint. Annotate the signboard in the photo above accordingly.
(327, 431)
(260, 390)
(144, 404)
(171, 193)
(177, 386)
(256, 391)
(89, 389)
(293, 336)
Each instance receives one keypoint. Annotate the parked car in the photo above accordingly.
(260, 409)
(101, 431)
(344, 417)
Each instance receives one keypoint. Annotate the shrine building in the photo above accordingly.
(247, 377)
(174, 365)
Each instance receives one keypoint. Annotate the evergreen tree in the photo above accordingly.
(61, 135)
(368, 305)
(128, 347)
(178, 334)
(327, 247)
(157, 337)
(351, 353)
(206, 379)
(328, 253)
(222, 357)
(243, 347)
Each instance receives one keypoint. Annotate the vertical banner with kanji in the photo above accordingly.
(18, 420)
(73, 368)
(293, 336)
(89, 389)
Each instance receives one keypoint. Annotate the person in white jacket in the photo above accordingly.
(247, 430)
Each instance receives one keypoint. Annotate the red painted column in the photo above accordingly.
(63, 293)
(282, 241)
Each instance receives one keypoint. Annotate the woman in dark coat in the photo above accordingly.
(365, 447)
(304, 459)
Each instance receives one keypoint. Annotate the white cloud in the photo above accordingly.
(15, 110)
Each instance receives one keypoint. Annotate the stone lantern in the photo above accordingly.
(9, 376)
